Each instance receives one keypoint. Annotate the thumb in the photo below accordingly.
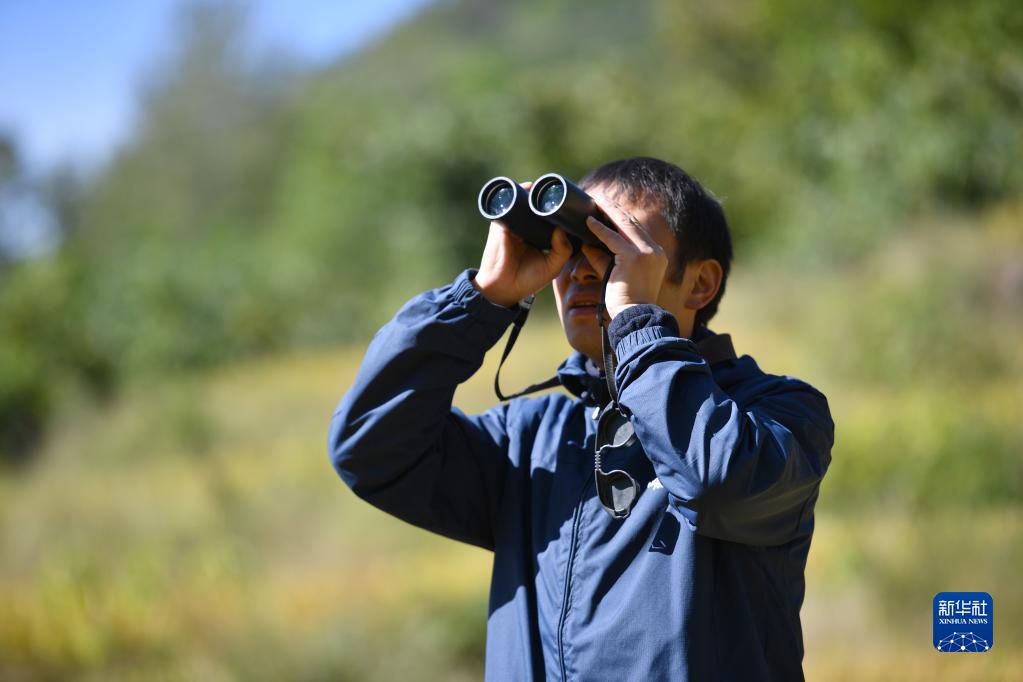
(561, 249)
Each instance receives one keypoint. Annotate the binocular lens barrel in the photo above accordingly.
(499, 200)
(552, 197)
(505, 200)
(567, 206)
(497, 197)
(552, 201)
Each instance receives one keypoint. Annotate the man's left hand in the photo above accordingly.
(639, 261)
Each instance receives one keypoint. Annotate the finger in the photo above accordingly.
(626, 223)
(611, 239)
(598, 258)
(633, 229)
(560, 242)
(526, 185)
(502, 232)
(561, 249)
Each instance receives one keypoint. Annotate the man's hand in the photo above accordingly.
(639, 261)
(511, 269)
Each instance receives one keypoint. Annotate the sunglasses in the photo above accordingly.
(617, 490)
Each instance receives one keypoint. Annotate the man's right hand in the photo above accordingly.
(511, 269)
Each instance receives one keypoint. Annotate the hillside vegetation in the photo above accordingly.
(262, 206)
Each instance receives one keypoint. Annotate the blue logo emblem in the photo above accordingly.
(964, 622)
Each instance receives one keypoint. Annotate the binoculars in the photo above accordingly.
(551, 202)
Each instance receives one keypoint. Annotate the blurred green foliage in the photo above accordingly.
(262, 206)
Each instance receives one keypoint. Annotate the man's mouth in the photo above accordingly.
(583, 306)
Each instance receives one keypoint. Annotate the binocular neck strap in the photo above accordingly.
(610, 362)
(605, 343)
(524, 307)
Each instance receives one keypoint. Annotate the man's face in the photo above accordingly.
(577, 287)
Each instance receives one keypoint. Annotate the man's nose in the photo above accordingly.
(581, 270)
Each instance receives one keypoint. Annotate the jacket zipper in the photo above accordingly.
(568, 581)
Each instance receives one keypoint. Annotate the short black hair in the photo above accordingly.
(694, 214)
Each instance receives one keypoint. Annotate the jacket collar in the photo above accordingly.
(591, 388)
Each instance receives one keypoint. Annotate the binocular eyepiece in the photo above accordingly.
(551, 202)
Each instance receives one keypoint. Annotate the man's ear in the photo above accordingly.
(706, 278)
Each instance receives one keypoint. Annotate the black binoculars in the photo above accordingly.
(551, 202)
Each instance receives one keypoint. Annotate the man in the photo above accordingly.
(703, 577)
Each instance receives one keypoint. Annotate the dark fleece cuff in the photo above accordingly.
(640, 317)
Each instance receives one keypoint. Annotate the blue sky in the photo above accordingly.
(69, 69)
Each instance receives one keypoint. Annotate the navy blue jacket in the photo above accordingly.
(702, 581)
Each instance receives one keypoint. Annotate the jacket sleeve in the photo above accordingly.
(395, 438)
(744, 473)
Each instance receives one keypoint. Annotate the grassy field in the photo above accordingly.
(193, 528)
